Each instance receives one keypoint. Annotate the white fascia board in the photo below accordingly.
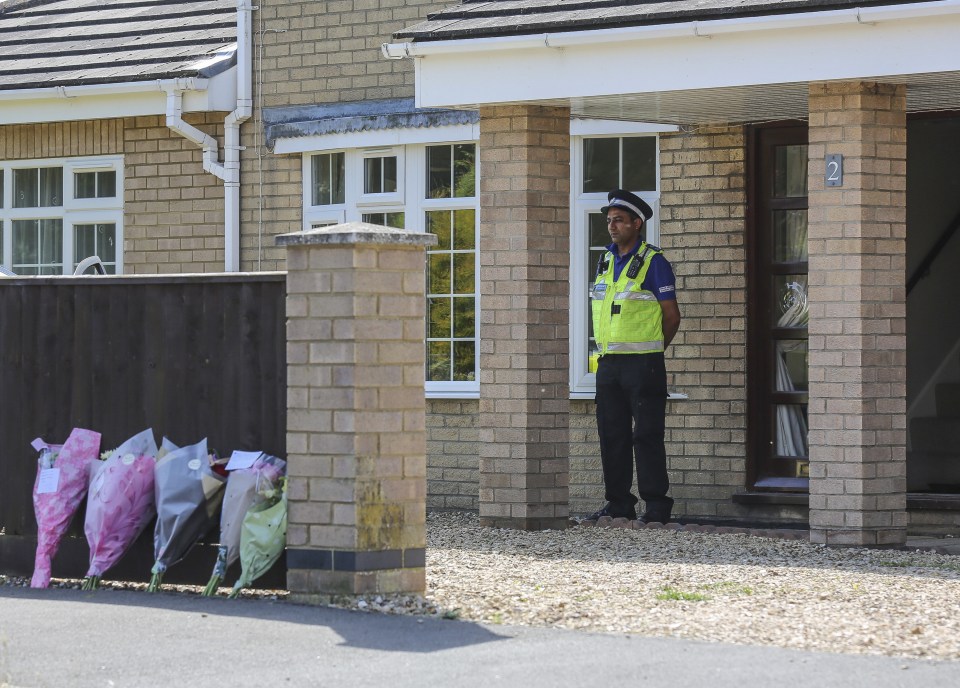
(818, 46)
(384, 137)
(109, 101)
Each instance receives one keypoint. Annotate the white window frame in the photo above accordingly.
(583, 383)
(409, 199)
(386, 198)
(72, 211)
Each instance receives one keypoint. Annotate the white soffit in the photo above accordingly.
(734, 70)
(110, 101)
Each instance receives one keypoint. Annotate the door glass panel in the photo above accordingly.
(790, 301)
(791, 429)
(791, 365)
(790, 172)
(789, 236)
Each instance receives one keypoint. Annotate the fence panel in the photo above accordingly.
(189, 356)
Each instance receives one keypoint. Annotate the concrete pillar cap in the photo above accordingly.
(357, 233)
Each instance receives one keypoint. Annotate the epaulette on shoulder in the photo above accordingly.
(655, 248)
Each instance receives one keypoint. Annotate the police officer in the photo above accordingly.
(635, 316)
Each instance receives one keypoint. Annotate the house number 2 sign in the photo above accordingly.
(834, 174)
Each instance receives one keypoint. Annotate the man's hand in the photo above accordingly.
(671, 320)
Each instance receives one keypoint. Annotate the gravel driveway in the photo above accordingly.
(731, 588)
(717, 587)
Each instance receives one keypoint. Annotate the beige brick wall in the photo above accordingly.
(308, 53)
(329, 52)
(703, 218)
(453, 475)
(173, 210)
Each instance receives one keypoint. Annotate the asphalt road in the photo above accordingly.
(61, 638)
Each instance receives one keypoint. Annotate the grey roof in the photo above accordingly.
(368, 115)
(47, 43)
(488, 18)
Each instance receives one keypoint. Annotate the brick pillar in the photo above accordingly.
(356, 412)
(857, 246)
(524, 285)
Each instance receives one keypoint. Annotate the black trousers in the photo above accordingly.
(631, 407)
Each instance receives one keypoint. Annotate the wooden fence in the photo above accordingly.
(189, 356)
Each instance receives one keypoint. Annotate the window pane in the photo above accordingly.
(26, 188)
(372, 175)
(84, 242)
(390, 174)
(464, 318)
(39, 244)
(464, 170)
(790, 172)
(438, 361)
(464, 230)
(25, 242)
(438, 273)
(790, 297)
(85, 185)
(599, 236)
(791, 365)
(439, 172)
(601, 165)
(463, 271)
(107, 243)
(438, 222)
(789, 235)
(640, 163)
(106, 184)
(328, 178)
(385, 219)
(439, 324)
(51, 186)
(463, 361)
(51, 242)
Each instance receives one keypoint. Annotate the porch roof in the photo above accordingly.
(682, 62)
(488, 18)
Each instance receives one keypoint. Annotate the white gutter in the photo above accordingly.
(701, 29)
(229, 170)
(182, 84)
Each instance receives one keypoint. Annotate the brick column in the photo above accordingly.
(356, 437)
(857, 246)
(524, 286)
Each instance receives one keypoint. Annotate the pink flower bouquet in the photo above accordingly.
(120, 504)
(60, 486)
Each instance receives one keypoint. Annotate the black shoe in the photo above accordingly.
(655, 516)
(607, 511)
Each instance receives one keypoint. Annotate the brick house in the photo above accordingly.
(802, 373)
(790, 368)
(115, 134)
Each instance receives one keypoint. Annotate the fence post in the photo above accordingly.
(356, 412)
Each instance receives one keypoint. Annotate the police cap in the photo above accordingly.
(619, 198)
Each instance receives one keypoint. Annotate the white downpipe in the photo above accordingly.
(231, 144)
(229, 170)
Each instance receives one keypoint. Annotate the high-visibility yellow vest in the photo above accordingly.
(626, 318)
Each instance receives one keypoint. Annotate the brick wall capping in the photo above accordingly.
(357, 233)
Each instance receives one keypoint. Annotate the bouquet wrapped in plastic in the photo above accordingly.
(188, 492)
(61, 483)
(257, 480)
(120, 503)
(262, 538)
